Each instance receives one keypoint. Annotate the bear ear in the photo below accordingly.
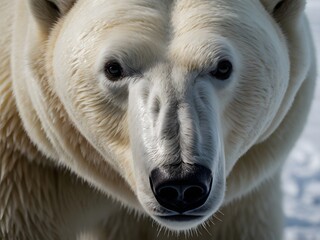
(283, 10)
(47, 12)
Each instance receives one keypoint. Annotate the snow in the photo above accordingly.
(301, 176)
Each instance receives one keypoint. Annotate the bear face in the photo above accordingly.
(169, 95)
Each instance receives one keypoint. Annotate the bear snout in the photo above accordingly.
(181, 188)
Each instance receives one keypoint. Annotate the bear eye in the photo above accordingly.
(113, 71)
(223, 70)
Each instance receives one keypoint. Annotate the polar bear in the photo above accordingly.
(147, 119)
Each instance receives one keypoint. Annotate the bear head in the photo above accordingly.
(154, 102)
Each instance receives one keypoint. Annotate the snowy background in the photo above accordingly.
(301, 177)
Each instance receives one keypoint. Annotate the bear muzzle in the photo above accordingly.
(177, 155)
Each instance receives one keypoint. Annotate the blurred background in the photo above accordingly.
(301, 176)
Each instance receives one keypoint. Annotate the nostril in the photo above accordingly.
(193, 193)
(168, 193)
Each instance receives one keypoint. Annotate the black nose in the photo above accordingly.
(181, 187)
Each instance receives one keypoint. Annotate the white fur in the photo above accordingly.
(68, 135)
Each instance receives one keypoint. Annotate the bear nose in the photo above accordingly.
(181, 187)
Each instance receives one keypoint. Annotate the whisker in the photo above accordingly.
(219, 211)
(159, 230)
(217, 218)
(211, 221)
(205, 225)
